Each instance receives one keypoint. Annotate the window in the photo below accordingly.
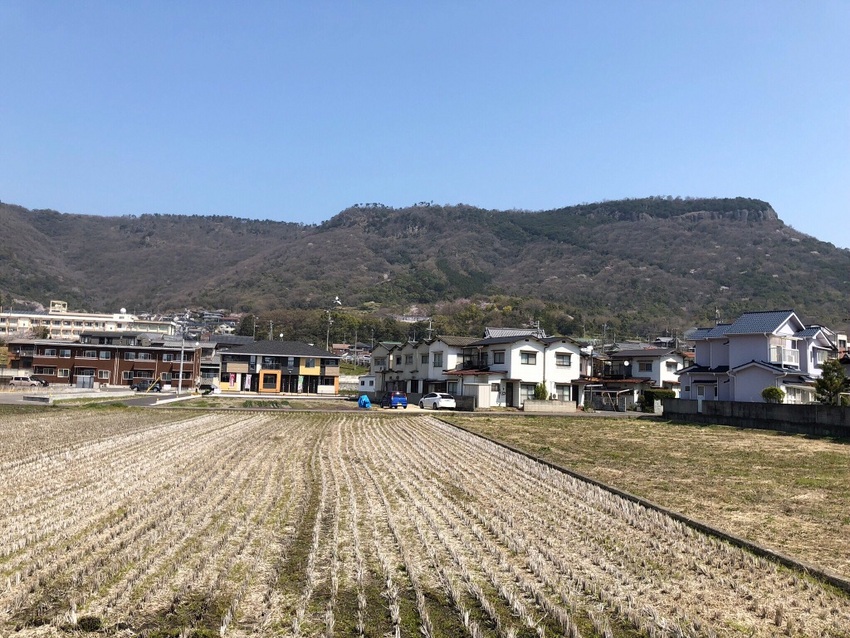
(105, 354)
(438, 359)
(64, 373)
(644, 366)
(424, 359)
(103, 374)
(398, 359)
(408, 359)
(165, 376)
(168, 356)
(310, 363)
(451, 387)
(563, 359)
(528, 358)
(672, 366)
(129, 356)
(65, 353)
(526, 391)
(144, 356)
(90, 354)
(495, 387)
(50, 352)
(499, 357)
(127, 375)
(380, 362)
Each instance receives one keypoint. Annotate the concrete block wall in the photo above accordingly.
(815, 419)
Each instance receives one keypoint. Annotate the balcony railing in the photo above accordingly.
(784, 356)
(474, 363)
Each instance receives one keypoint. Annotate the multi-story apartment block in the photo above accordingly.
(60, 323)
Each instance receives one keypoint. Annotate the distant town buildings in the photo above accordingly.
(59, 323)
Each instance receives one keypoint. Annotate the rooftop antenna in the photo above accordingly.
(430, 330)
(716, 316)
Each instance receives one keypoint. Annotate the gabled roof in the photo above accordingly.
(504, 340)
(230, 340)
(826, 335)
(282, 348)
(713, 332)
(642, 352)
(779, 370)
(452, 340)
(695, 369)
(765, 322)
(490, 332)
(551, 340)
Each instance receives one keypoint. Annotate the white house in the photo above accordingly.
(737, 361)
(503, 371)
(656, 367)
(415, 367)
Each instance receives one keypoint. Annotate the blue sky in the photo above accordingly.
(293, 111)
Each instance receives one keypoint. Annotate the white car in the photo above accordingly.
(437, 401)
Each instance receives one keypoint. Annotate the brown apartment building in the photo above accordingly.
(109, 358)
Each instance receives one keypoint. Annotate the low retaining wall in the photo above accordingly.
(815, 420)
(537, 405)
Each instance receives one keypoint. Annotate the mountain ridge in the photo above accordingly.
(635, 262)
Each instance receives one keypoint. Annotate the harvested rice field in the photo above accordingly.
(186, 523)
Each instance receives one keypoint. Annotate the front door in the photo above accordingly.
(509, 394)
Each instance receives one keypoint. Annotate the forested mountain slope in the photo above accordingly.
(638, 262)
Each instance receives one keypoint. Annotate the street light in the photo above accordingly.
(182, 357)
(337, 302)
(182, 351)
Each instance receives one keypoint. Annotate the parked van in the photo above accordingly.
(24, 382)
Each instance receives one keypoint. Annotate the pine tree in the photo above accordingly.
(832, 382)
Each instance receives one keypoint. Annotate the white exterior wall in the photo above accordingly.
(451, 360)
(523, 372)
(666, 376)
(561, 375)
(70, 325)
(406, 369)
(375, 369)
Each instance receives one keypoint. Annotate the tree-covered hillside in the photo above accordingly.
(639, 265)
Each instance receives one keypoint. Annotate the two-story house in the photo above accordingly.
(415, 367)
(279, 366)
(620, 377)
(738, 360)
(504, 370)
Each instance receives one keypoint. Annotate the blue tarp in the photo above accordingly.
(363, 402)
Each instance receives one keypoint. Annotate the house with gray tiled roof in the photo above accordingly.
(504, 370)
(736, 361)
